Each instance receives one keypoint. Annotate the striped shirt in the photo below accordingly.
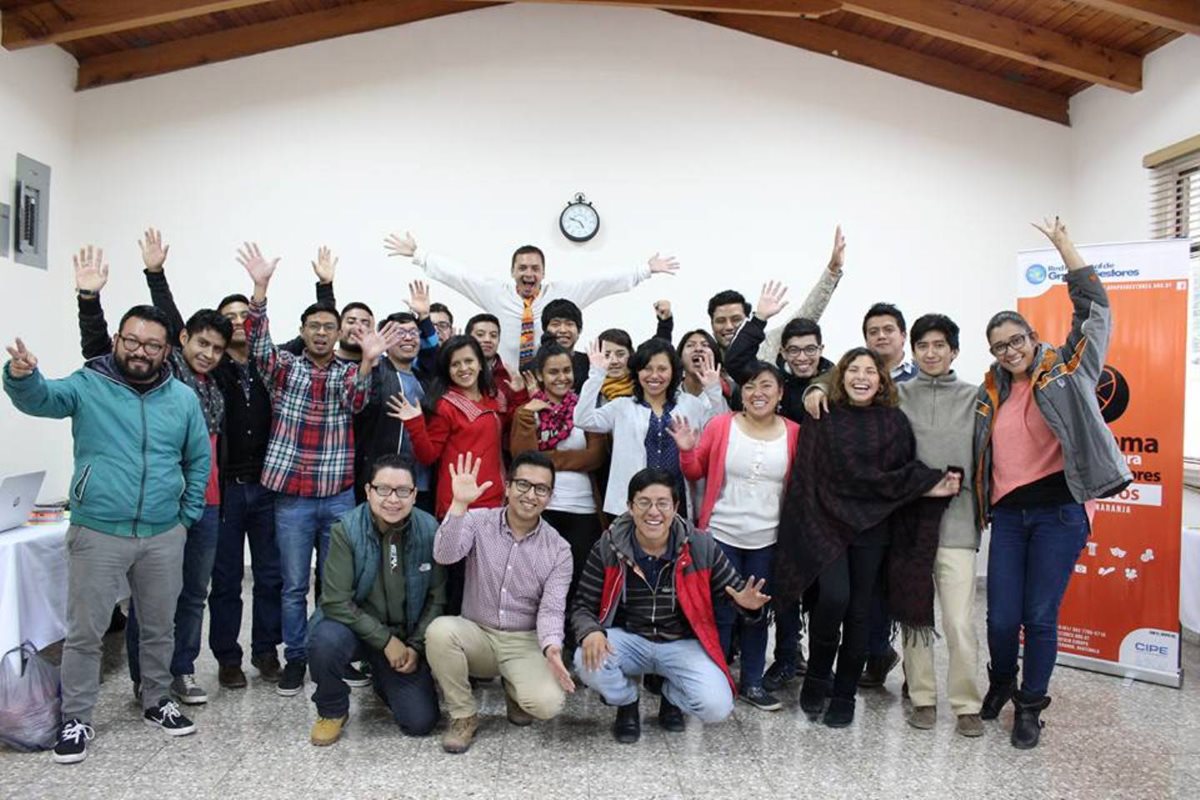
(311, 450)
(511, 584)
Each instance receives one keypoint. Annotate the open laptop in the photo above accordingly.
(17, 496)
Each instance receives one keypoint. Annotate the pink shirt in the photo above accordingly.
(1024, 449)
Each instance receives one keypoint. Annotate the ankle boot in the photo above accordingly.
(814, 693)
(840, 712)
(627, 727)
(1000, 691)
(1027, 723)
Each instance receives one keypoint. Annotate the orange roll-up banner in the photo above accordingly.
(1121, 611)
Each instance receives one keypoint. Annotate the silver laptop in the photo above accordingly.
(17, 496)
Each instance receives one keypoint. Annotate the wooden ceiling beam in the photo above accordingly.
(898, 60)
(70, 20)
(127, 65)
(1177, 15)
(1003, 36)
(771, 8)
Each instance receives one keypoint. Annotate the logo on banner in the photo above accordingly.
(1150, 648)
(1112, 392)
(1035, 274)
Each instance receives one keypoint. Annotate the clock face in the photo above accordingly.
(579, 222)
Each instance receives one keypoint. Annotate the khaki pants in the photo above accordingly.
(458, 649)
(954, 578)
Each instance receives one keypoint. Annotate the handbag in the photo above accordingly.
(30, 701)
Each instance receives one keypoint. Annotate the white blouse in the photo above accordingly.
(746, 513)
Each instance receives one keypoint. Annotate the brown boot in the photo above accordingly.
(516, 715)
(327, 731)
(460, 734)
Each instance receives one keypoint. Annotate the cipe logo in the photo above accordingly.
(1035, 274)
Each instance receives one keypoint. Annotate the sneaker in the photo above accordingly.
(292, 680)
(760, 698)
(268, 667)
(923, 718)
(166, 715)
(71, 747)
(779, 675)
(878, 668)
(187, 691)
(969, 725)
(354, 678)
(230, 676)
(460, 734)
(327, 731)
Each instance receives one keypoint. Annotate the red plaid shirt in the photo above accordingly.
(311, 450)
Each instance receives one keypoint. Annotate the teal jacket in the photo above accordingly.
(141, 460)
(363, 590)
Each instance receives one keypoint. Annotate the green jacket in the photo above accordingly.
(141, 459)
(376, 597)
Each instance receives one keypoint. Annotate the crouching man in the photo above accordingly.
(381, 590)
(645, 606)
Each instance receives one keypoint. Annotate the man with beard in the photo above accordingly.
(142, 462)
(520, 302)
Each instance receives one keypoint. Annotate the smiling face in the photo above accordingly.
(933, 353)
(465, 368)
(557, 376)
(617, 357)
(393, 509)
(761, 396)
(882, 336)
(565, 332)
(861, 381)
(139, 349)
(203, 351)
(356, 323)
(237, 313)
(525, 507)
(318, 333)
(803, 355)
(488, 336)
(653, 509)
(528, 271)
(406, 349)
(655, 377)
(726, 320)
(1014, 347)
(694, 348)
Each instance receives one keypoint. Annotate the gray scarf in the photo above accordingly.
(212, 402)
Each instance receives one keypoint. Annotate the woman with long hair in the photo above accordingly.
(853, 509)
(1042, 451)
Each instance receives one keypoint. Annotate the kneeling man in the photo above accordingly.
(645, 606)
(381, 590)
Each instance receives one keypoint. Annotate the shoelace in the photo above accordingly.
(168, 712)
(189, 681)
(74, 730)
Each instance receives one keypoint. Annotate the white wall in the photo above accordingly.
(37, 118)
(736, 154)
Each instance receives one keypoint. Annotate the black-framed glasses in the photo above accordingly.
(133, 344)
(644, 504)
(443, 326)
(401, 492)
(1015, 343)
(541, 490)
(808, 350)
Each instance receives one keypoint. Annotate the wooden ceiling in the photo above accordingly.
(1027, 55)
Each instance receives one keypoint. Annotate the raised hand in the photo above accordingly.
(464, 480)
(1056, 231)
(400, 247)
(709, 374)
(750, 596)
(259, 268)
(558, 669)
(595, 650)
(666, 264)
(837, 259)
(418, 299)
(662, 309)
(596, 357)
(23, 362)
(376, 343)
(686, 437)
(399, 408)
(816, 402)
(325, 267)
(532, 384)
(154, 254)
(91, 273)
(771, 301)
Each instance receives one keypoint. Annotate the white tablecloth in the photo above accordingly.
(33, 585)
(1189, 579)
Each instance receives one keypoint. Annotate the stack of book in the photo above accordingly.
(48, 513)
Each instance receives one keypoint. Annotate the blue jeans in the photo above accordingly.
(247, 513)
(302, 523)
(412, 698)
(1030, 561)
(753, 634)
(199, 551)
(690, 678)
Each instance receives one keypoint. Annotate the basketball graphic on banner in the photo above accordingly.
(1112, 392)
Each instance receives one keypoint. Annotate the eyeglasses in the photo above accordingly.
(401, 492)
(133, 344)
(809, 350)
(408, 334)
(644, 504)
(317, 327)
(1015, 343)
(541, 490)
(444, 326)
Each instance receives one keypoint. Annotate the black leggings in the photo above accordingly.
(841, 612)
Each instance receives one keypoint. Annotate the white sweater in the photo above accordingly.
(628, 421)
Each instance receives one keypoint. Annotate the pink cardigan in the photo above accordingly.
(707, 460)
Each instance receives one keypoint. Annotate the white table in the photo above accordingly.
(1189, 579)
(33, 585)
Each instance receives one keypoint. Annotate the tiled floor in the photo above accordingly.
(1105, 738)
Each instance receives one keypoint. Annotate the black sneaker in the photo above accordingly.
(292, 680)
(268, 667)
(356, 678)
(779, 675)
(166, 715)
(71, 747)
(760, 698)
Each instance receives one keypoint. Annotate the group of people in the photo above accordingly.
(499, 503)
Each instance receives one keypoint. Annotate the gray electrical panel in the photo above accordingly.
(32, 210)
(5, 223)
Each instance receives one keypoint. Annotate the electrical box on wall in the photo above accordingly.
(32, 210)
(5, 221)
